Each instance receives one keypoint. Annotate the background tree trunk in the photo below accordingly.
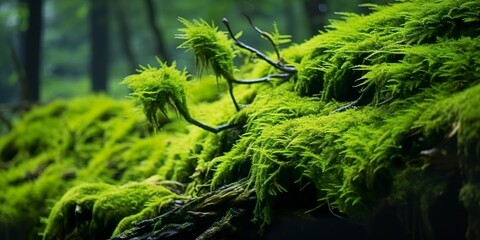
(124, 30)
(151, 17)
(290, 24)
(316, 12)
(31, 50)
(99, 50)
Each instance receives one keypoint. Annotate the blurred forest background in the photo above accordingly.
(60, 49)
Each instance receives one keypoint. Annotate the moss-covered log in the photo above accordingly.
(378, 132)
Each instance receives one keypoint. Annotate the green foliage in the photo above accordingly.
(279, 38)
(456, 114)
(270, 108)
(348, 155)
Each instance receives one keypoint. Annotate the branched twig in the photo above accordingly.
(263, 79)
(217, 129)
(264, 34)
(278, 65)
(213, 48)
(288, 71)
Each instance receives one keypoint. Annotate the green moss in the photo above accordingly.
(157, 88)
(41, 156)
(415, 62)
(210, 46)
(269, 108)
(456, 114)
(333, 65)
(97, 139)
(422, 66)
(94, 210)
(326, 150)
(346, 154)
(151, 209)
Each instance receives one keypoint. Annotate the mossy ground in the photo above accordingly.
(415, 65)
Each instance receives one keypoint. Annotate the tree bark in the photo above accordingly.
(31, 50)
(151, 17)
(121, 16)
(290, 24)
(99, 50)
(316, 12)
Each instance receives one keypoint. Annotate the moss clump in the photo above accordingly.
(332, 68)
(210, 46)
(42, 156)
(421, 66)
(157, 88)
(93, 210)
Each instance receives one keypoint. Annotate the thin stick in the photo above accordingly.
(263, 34)
(217, 129)
(277, 65)
(263, 79)
(350, 105)
(230, 90)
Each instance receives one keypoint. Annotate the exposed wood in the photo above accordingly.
(210, 216)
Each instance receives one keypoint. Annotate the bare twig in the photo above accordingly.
(263, 34)
(278, 65)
